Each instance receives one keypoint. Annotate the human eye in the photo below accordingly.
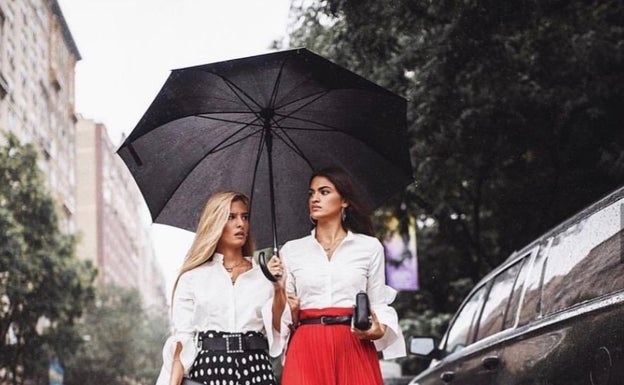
(231, 217)
(245, 217)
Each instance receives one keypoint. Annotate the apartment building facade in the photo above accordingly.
(112, 218)
(38, 57)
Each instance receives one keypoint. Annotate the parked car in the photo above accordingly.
(551, 314)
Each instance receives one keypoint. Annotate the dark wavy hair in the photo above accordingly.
(358, 219)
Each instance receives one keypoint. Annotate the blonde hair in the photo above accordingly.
(211, 223)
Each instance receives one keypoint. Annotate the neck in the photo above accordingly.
(231, 255)
(330, 230)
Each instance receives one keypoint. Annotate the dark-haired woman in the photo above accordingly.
(324, 272)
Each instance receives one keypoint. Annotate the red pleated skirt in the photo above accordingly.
(329, 354)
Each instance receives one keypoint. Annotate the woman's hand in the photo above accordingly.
(293, 304)
(376, 331)
(276, 267)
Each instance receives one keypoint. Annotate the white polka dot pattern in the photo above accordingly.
(222, 368)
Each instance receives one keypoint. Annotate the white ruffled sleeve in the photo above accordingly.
(392, 344)
(183, 330)
(286, 319)
(276, 339)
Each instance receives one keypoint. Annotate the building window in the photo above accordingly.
(4, 86)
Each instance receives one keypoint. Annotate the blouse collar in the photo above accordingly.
(349, 236)
(218, 257)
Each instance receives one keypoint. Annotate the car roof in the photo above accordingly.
(590, 209)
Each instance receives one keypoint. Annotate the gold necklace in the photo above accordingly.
(331, 245)
(229, 269)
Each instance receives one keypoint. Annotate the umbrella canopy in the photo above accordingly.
(261, 125)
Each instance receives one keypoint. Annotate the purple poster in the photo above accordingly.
(401, 259)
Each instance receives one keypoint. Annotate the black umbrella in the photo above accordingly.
(261, 125)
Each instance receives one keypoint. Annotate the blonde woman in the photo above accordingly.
(225, 313)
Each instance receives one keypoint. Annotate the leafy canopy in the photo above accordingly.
(43, 287)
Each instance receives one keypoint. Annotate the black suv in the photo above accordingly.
(552, 314)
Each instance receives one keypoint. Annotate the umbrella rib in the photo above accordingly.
(282, 116)
(327, 128)
(277, 83)
(290, 143)
(247, 124)
(316, 96)
(212, 151)
(236, 90)
(290, 115)
(218, 147)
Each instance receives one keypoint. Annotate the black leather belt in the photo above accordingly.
(233, 342)
(327, 320)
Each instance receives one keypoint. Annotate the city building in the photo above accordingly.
(38, 58)
(112, 218)
(37, 66)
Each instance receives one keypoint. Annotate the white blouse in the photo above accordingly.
(206, 299)
(357, 264)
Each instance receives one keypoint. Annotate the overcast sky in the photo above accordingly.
(128, 48)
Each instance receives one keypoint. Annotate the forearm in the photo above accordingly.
(279, 303)
(177, 369)
(177, 373)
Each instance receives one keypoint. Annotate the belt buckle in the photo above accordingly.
(325, 320)
(238, 343)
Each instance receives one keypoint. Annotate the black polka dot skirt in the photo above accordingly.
(251, 367)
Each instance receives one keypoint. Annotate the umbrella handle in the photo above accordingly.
(265, 269)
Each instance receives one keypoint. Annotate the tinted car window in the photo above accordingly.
(532, 300)
(491, 320)
(516, 295)
(584, 255)
(462, 331)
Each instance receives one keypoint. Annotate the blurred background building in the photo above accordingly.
(112, 218)
(97, 198)
(37, 61)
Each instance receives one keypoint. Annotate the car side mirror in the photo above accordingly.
(425, 347)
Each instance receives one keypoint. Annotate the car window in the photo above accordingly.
(491, 320)
(532, 300)
(516, 295)
(462, 330)
(585, 261)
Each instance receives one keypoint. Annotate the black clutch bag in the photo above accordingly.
(361, 312)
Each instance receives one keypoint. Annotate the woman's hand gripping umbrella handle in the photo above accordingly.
(262, 261)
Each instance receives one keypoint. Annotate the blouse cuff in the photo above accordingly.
(392, 344)
(276, 339)
(187, 355)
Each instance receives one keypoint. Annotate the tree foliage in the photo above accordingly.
(43, 287)
(122, 341)
(515, 114)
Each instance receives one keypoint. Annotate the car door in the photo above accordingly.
(570, 328)
(457, 338)
(472, 344)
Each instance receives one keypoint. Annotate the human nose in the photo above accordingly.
(238, 221)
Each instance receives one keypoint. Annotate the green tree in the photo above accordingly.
(515, 111)
(122, 341)
(43, 287)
